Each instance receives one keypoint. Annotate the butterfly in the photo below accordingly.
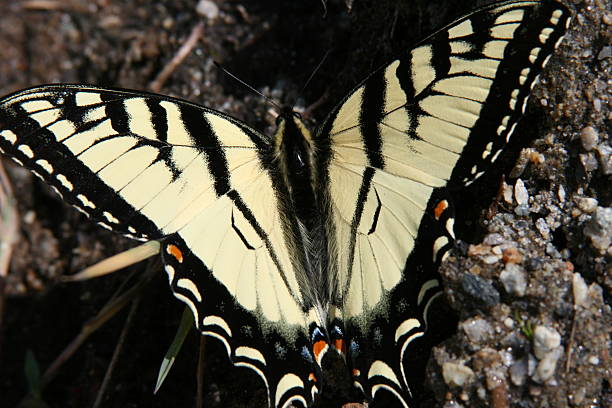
(303, 251)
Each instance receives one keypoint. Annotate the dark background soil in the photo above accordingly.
(274, 46)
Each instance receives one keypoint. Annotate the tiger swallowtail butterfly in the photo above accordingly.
(303, 249)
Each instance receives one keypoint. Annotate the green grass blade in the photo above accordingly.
(185, 327)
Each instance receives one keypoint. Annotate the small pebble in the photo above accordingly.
(506, 356)
(477, 330)
(512, 255)
(588, 160)
(535, 391)
(561, 193)
(579, 289)
(207, 9)
(480, 290)
(597, 104)
(493, 239)
(536, 157)
(495, 378)
(29, 217)
(518, 371)
(599, 229)
(521, 210)
(605, 158)
(507, 193)
(552, 250)
(110, 22)
(168, 23)
(589, 138)
(520, 193)
(587, 204)
(543, 228)
(514, 280)
(457, 374)
(479, 250)
(606, 52)
(491, 259)
(545, 340)
(546, 366)
(594, 360)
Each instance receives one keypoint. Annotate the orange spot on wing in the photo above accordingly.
(319, 347)
(339, 345)
(356, 372)
(312, 377)
(175, 252)
(440, 208)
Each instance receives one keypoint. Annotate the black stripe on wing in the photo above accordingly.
(34, 146)
(71, 135)
(281, 362)
(540, 29)
(371, 115)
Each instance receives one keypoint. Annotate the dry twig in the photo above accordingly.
(183, 52)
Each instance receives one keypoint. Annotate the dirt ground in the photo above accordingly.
(533, 257)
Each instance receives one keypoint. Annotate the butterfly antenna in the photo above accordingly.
(314, 71)
(267, 98)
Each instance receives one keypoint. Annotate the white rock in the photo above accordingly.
(547, 365)
(494, 238)
(599, 229)
(561, 193)
(457, 374)
(507, 193)
(520, 193)
(491, 259)
(542, 226)
(207, 9)
(514, 280)
(579, 289)
(594, 360)
(589, 138)
(587, 204)
(545, 340)
(477, 329)
(605, 157)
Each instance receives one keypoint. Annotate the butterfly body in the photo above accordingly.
(302, 252)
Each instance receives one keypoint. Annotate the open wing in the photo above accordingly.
(434, 119)
(158, 168)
